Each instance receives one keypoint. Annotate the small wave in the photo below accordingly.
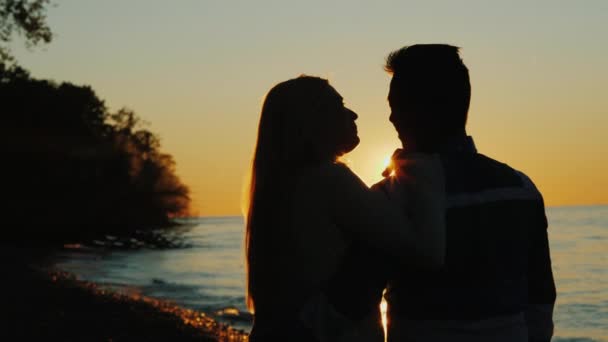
(233, 313)
(241, 320)
(174, 290)
(158, 281)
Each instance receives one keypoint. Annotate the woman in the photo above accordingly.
(306, 209)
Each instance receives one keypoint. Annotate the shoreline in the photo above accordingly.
(50, 304)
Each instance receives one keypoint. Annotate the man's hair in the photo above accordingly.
(432, 79)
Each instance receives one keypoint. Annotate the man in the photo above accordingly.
(497, 283)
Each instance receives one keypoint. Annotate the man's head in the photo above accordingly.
(429, 94)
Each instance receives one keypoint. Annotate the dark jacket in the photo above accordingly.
(497, 252)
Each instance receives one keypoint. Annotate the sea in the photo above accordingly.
(208, 273)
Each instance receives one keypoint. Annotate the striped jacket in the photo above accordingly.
(497, 262)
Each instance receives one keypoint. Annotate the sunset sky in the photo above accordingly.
(197, 71)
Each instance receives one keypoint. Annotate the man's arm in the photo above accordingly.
(541, 286)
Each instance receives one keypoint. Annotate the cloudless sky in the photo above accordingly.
(197, 71)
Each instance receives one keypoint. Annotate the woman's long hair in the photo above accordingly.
(284, 145)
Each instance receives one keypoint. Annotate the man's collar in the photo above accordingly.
(459, 144)
(462, 144)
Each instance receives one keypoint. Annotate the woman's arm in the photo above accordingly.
(418, 186)
(413, 232)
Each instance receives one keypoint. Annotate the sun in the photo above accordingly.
(387, 162)
(386, 165)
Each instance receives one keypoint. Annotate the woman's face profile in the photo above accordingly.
(341, 130)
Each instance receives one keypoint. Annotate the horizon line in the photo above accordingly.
(546, 207)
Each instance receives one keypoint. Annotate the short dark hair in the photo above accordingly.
(433, 78)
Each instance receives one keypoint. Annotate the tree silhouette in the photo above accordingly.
(76, 170)
(26, 18)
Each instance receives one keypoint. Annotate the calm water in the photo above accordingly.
(209, 275)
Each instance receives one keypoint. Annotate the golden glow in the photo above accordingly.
(204, 101)
(387, 162)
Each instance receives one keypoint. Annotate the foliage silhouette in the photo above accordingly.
(26, 18)
(74, 170)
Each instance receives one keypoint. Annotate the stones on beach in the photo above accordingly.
(72, 309)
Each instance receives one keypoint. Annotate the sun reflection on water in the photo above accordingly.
(383, 309)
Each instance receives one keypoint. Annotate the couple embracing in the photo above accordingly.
(454, 240)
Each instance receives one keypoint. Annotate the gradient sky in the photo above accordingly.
(198, 72)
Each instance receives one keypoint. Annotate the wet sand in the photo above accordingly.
(51, 305)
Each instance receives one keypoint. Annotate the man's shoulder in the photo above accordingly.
(494, 166)
(484, 179)
(481, 171)
(524, 180)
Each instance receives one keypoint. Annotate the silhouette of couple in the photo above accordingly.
(457, 239)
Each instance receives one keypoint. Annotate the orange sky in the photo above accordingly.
(198, 72)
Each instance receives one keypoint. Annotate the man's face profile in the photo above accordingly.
(399, 113)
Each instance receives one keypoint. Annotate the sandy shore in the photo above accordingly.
(55, 306)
